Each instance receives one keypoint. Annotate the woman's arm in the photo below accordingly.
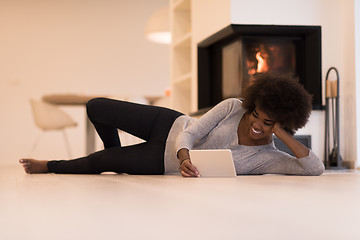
(296, 147)
(197, 131)
(307, 162)
(204, 125)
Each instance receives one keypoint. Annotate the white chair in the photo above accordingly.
(49, 117)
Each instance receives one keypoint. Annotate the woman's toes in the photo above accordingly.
(25, 161)
(34, 166)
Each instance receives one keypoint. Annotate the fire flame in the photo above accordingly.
(262, 66)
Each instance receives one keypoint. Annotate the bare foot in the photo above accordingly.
(34, 166)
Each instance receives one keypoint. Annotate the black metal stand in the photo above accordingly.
(333, 158)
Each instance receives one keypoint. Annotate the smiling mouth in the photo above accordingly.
(256, 131)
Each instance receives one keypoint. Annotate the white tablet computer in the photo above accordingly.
(213, 163)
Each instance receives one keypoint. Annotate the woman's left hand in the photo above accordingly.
(298, 149)
(278, 129)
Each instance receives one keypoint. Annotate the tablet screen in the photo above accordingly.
(213, 162)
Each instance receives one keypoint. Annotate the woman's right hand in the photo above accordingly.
(188, 170)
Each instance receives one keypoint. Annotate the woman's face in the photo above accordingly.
(261, 125)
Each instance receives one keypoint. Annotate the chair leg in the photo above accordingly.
(67, 143)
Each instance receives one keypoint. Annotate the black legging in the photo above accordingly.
(149, 123)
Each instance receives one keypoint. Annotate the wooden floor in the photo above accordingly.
(108, 206)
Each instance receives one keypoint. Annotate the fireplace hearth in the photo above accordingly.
(229, 59)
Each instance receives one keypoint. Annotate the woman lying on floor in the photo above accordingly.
(273, 105)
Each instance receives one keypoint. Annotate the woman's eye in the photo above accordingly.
(268, 124)
(254, 115)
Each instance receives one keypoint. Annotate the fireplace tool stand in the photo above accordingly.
(333, 159)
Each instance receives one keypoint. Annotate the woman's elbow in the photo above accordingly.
(316, 171)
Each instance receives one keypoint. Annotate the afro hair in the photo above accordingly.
(281, 97)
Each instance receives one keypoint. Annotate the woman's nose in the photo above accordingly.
(257, 123)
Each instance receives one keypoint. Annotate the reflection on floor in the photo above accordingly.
(108, 206)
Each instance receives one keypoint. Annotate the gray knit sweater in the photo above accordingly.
(217, 129)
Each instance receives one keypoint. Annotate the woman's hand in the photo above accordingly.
(298, 149)
(188, 170)
(278, 129)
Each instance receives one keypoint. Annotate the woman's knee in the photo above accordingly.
(94, 105)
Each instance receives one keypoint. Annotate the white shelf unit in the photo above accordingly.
(181, 71)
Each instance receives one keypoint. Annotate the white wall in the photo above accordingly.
(64, 46)
(204, 23)
(337, 20)
(357, 71)
(348, 91)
